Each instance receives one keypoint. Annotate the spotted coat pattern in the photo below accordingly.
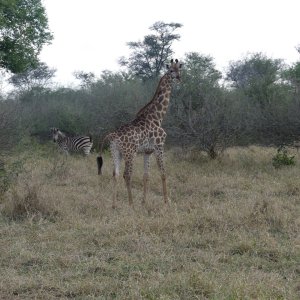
(143, 135)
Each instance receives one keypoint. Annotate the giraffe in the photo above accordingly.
(143, 135)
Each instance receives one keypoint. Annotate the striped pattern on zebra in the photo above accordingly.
(72, 144)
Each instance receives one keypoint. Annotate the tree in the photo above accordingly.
(256, 76)
(200, 110)
(86, 78)
(149, 56)
(23, 32)
(292, 74)
(199, 79)
(10, 133)
(39, 76)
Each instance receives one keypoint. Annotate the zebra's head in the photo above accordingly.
(55, 132)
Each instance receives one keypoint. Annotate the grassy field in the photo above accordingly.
(230, 232)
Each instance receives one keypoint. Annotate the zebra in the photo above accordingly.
(72, 144)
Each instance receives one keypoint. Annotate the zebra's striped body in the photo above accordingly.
(72, 144)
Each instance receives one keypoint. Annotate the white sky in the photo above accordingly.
(91, 35)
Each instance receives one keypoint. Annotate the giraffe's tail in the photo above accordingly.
(100, 164)
(99, 157)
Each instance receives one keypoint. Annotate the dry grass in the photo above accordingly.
(231, 231)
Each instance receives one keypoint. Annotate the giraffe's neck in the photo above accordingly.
(156, 109)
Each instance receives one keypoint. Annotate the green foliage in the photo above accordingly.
(23, 31)
(148, 57)
(39, 76)
(203, 113)
(200, 108)
(86, 78)
(293, 76)
(10, 125)
(200, 80)
(257, 76)
(282, 158)
(102, 105)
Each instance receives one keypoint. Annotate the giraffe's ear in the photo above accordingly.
(167, 66)
(180, 66)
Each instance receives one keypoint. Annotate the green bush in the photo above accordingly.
(282, 158)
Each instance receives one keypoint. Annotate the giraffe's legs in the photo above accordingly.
(159, 154)
(115, 189)
(127, 177)
(146, 176)
(116, 172)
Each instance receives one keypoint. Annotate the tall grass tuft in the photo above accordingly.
(26, 203)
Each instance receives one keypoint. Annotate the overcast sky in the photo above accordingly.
(91, 35)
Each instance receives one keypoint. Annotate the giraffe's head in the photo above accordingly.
(174, 69)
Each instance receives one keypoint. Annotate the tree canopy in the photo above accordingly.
(149, 56)
(256, 76)
(292, 74)
(33, 77)
(23, 32)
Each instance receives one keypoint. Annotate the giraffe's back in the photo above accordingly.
(140, 137)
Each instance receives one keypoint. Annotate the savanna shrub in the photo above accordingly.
(282, 158)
